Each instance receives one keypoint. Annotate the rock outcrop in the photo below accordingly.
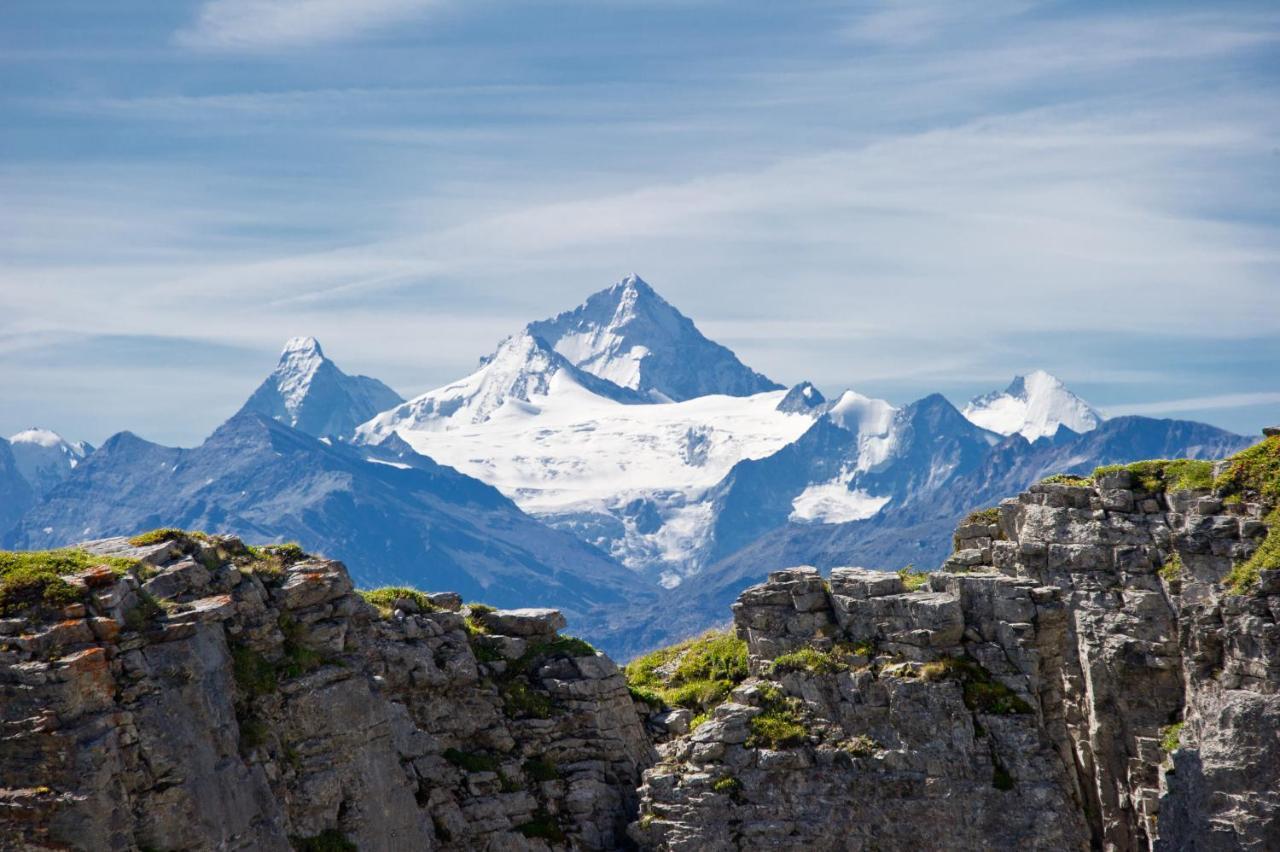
(1090, 670)
(213, 697)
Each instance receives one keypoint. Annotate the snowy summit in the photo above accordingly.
(632, 337)
(308, 392)
(44, 458)
(1033, 406)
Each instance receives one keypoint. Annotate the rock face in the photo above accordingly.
(895, 753)
(1078, 677)
(209, 699)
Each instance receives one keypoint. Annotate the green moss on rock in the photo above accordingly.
(36, 578)
(1069, 479)
(1159, 475)
(697, 674)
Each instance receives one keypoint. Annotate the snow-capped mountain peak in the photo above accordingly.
(300, 360)
(44, 458)
(308, 392)
(1034, 406)
(629, 335)
(871, 420)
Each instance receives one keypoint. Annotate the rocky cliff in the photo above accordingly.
(1097, 666)
(192, 693)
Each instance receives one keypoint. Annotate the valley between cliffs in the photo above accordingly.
(1097, 666)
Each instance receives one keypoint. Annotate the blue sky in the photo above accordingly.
(894, 197)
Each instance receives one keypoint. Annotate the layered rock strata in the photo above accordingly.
(1080, 677)
(196, 703)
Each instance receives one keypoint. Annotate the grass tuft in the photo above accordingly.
(1245, 576)
(383, 599)
(839, 659)
(1159, 475)
(543, 826)
(1069, 479)
(471, 761)
(697, 674)
(35, 578)
(1171, 737)
(913, 580)
(329, 840)
(1255, 470)
(986, 517)
(541, 769)
(166, 534)
(779, 725)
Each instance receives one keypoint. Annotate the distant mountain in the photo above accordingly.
(940, 468)
(1033, 406)
(630, 336)
(573, 419)
(308, 392)
(16, 495)
(659, 474)
(863, 458)
(45, 458)
(803, 397)
(393, 516)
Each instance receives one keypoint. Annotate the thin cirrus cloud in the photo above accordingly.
(252, 25)
(1198, 403)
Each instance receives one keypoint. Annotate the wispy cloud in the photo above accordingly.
(254, 25)
(910, 22)
(1197, 403)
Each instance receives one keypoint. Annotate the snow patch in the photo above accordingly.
(834, 503)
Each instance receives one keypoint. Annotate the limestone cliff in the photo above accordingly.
(1097, 666)
(202, 695)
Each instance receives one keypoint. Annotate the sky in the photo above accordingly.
(897, 197)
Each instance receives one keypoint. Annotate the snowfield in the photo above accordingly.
(569, 452)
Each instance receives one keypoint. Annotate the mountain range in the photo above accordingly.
(611, 461)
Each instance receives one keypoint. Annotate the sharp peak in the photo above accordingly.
(301, 346)
(1036, 376)
(632, 286)
(631, 281)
